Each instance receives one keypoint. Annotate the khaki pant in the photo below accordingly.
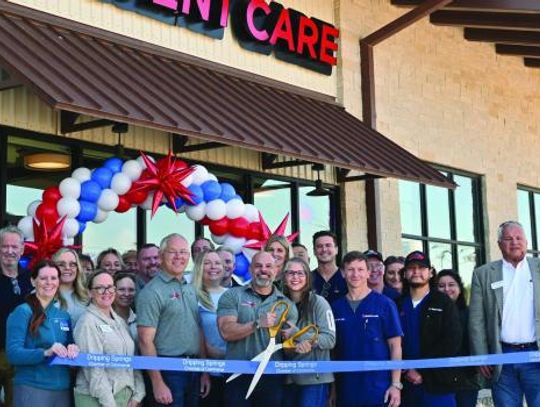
(122, 399)
(6, 379)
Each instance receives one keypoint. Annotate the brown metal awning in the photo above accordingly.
(77, 68)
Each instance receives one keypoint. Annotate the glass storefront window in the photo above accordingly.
(440, 255)
(528, 201)
(464, 199)
(314, 216)
(273, 200)
(118, 231)
(18, 199)
(410, 245)
(438, 212)
(409, 195)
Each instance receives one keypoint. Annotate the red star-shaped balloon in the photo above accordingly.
(166, 181)
(45, 243)
(266, 233)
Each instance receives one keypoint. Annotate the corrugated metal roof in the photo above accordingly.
(82, 69)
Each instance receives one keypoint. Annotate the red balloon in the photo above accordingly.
(51, 194)
(46, 212)
(239, 227)
(205, 221)
(219, 227)
(254, 231)
(180, 165)
(136, 197)
(124, 205)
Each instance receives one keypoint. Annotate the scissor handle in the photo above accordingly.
(294, 339)
(274, 330)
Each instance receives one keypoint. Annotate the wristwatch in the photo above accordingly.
(256, 324)
(398, 385)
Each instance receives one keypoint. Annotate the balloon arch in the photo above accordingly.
(90, 195)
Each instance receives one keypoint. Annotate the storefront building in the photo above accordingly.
(259, 118)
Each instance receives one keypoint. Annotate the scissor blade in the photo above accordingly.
(255, 359)
(260, 370)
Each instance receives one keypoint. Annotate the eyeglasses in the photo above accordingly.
(64, 265)
(111, 289)
(325, 289)
(177, 253)
(295, 274)
(15, 286)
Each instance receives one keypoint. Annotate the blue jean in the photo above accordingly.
(268, 393)
(417, 396)
(184, 386)
(517, 381)
(311, 395)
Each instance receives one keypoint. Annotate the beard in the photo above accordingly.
(418, 285)
(263, 282)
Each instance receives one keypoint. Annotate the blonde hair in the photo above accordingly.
(282, 240)
(198, 271)
(79, 284)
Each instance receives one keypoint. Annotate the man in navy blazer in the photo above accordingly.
(504, 317)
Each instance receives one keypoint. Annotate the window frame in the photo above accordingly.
(535, 251)
(478, 224)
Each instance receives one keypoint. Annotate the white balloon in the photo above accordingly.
(235, 243)
(68, 207)
(212, 177)
(188, 180)
(68, 241)
(101, 216)
(196, 212)
(31, 210)
(82, 174)
(132, 169)
(147, 204)
(120, 183)
(71, 228)
(235, 208)
(108, 200)
(26, 226)
(200, 175)
(216, 209)
(251, 213)
(70, 188)
(219, 239)
(141, 161)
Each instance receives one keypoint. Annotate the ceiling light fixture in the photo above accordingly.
(47, 161)
(319, 189)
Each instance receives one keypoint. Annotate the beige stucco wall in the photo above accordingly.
(448, 101)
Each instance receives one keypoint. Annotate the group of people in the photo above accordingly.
(366, 309)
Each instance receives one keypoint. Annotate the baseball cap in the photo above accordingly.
(417, 257)
(373, 254)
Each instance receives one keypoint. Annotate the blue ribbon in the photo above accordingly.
(288, 367)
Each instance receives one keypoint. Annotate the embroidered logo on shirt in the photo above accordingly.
(175, 295)
(250, 304)
(340, 319)
(435, 309)
(64, 326)
(370, 316)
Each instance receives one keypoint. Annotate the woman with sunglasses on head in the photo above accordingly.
(308, 390)
(110, 260)
(36, 331)
(279, 248)
(72, 289)
(101, 330)
(467, 381)
(207, 277)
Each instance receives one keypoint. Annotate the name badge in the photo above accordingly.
(435, 309)
(64, 326)
(497, 284)
(105, 328)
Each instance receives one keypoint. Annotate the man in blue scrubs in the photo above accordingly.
(432, 329)
(367, 328)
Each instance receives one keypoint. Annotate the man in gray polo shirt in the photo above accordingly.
(243, 320)
(168, 325)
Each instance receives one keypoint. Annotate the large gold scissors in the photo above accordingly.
(309, 332)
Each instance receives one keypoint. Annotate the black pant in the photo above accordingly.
(216, 396)
(268, 393)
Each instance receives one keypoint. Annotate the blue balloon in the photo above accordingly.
(88, 211)
(197, 194)
(90, 191)
(178, 201)
(82, 226)
(103, 177)
(227, 192)
(211, 190)
(114, 164)
(241, 265)
(24, 261)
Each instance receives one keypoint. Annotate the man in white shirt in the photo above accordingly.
(505, 318)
